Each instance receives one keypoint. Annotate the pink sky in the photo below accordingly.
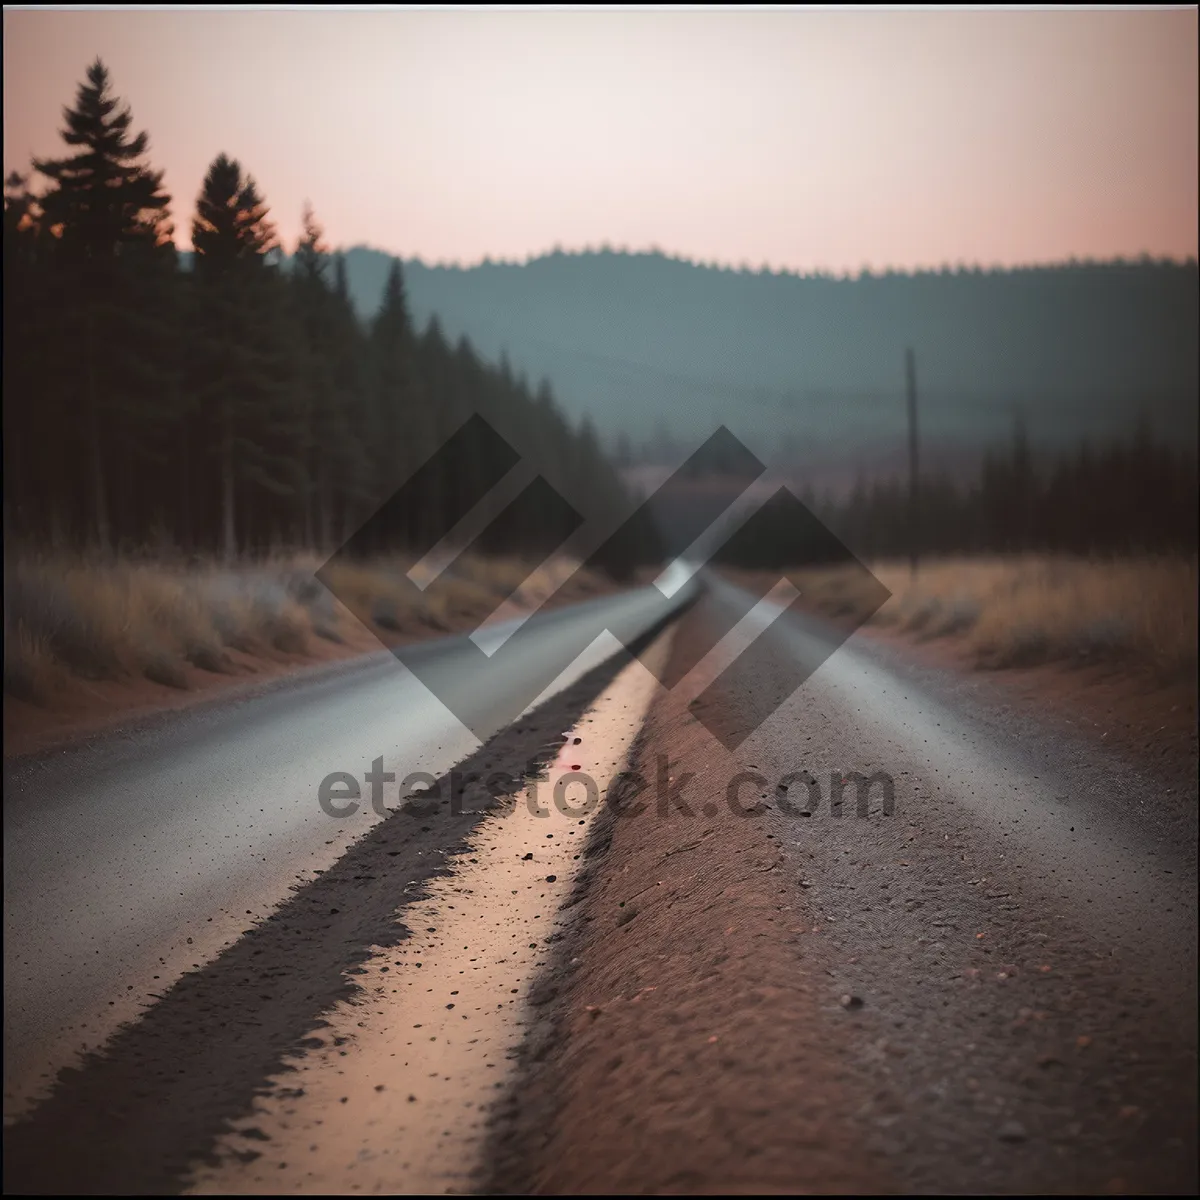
(803, 139)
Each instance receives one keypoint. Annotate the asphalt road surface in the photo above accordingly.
(140, 855)
(1006, 962)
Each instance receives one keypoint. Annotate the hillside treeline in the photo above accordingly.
(640, 340)
(239, 403)
(1127, 496)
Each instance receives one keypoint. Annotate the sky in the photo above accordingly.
(799, 139)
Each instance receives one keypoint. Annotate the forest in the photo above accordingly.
(231, 401)
(807, 367)
(1128, 497)
(241, 398)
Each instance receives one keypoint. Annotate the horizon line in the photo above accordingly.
(844, 274)
(866, 270)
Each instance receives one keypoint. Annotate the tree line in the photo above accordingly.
(238, 404)
(1127, 496)
(639, 339)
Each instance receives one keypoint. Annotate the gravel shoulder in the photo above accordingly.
(990, 990)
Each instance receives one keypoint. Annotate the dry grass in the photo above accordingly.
(67, 618)
(379, 595)
(527, 586)
(31, 672)
(1026, 610)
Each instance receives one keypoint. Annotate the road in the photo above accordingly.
(140, 855)
(991, 990)
(1005, 966)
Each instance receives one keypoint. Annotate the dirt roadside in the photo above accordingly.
(882, 1006)
(91, 707)
(1132, 712)
(687, 1046)
(1121, 703)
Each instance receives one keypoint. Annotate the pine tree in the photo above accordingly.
(231, 224)
(243, 373)
(103, 202)
(105, 196)
(311, 260)
(331, 451)
(351, 386)
(401, 434)
(25, 315)
(309, 265)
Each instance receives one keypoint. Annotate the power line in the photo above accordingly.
(793, 399)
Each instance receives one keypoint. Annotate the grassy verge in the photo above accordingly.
(70, 619)
(1030, 610)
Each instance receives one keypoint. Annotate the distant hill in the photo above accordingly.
(811, 369)
(814, 365)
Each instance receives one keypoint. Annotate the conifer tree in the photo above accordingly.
(351, 375)
(24, 321)
(242, 373)
(327, 395)
(400, 433)
(102, 202)
(105, 196)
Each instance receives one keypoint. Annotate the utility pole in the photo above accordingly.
(913, 521)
